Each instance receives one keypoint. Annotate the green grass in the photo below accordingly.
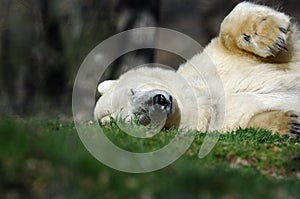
(46, 159)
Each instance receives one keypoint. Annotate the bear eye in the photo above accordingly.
(247, 37)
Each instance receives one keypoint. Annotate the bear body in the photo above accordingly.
(257, 58)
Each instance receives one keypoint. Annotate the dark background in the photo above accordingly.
(43, 43)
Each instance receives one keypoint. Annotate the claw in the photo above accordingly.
(281, 44)
(283, 30)
(294, 115)
(273, 51)
(296, 128)
(278, 46)
(295, 122)
(297, 132)
(281, 41)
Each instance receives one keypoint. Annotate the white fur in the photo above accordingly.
(250, 85)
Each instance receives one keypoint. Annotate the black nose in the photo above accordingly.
(160, 99)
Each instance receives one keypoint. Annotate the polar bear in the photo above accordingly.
(257, 57)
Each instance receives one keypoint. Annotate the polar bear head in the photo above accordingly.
(142, 95)
(147, 96)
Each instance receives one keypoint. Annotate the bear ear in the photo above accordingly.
(103, 87)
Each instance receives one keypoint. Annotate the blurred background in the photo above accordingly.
(43, 42)
(42, 45)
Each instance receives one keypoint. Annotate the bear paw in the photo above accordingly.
(265, 36)
(284, 123)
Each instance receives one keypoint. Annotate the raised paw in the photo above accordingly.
(266, 36)
(256, 29)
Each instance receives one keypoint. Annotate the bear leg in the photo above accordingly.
(278, 122)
